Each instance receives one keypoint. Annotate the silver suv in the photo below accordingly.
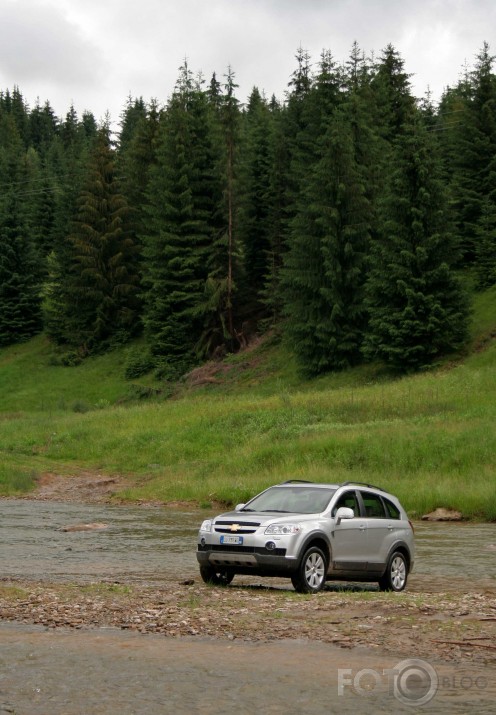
(311, 533)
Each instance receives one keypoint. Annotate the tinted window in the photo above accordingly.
(349, 500)
(392, 510)
(373, 505)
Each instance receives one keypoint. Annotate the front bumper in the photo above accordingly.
(246, 559)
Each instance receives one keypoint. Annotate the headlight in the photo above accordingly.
(206, 525)
(283, 529)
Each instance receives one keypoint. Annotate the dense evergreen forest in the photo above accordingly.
(352, 219)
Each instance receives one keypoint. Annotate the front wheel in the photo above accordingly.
(310, 577)
(215, 577)
(395, 576)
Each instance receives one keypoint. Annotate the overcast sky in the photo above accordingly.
(95, 53)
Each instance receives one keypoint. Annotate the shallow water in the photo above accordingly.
(140, 543)
(107, 672)
(150, 544)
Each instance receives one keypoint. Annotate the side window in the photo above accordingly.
(374, 507)
(349, 500)
(392, 510)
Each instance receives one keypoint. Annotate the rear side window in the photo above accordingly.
(392, 510)
(374, 507)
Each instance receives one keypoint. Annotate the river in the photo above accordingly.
(153, 543)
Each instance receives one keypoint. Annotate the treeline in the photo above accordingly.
(345, 217)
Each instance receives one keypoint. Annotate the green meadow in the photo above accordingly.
(430, 437)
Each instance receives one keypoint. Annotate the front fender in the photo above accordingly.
(318, 538)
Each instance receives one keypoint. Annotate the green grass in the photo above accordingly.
(31, 381)
(429, 438)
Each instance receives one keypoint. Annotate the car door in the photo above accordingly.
(349, 537)
(378, 527)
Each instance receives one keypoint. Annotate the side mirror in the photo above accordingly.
(344, 512)
(238, 507)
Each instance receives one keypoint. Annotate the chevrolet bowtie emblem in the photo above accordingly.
(235, 527)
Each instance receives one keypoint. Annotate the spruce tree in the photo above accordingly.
(473, 153)
(417, 308)
(66, 161)
(183, 194)
(324, 268)
(43, 127)
(135, 158)
(395, 105)
(20, 312)
(280, 208)
(100, 291)
(254, 219)
(229, 113)
(20, 301)
(485, 268)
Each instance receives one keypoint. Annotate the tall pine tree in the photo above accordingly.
(20, 302)
(97, 296)
(418, 310)
(325, 265)
(184, 195)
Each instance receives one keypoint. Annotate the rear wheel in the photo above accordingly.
(215, 577)
(396, 574)
(310, 577)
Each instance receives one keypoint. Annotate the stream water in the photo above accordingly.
(150, 544)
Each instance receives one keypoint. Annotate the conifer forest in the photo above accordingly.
(349, 218)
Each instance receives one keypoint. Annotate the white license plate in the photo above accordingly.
(231, 539)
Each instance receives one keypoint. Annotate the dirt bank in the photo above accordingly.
(81, 487)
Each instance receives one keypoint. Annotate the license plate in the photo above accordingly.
(231, 539)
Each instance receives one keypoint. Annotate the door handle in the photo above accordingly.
(362, 527)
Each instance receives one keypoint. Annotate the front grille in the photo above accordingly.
(233, 549)
(237, 531)
(243, 527)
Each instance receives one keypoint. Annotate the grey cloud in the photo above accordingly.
(96, 52)
(39, 43)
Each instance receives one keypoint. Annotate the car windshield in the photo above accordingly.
(291, 500)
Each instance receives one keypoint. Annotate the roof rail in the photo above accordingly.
(361, 484)
(297, 481)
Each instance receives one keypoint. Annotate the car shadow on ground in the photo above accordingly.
(329, 587)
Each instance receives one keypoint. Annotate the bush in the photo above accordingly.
(68, 359)
(139, 362)
(80, 406)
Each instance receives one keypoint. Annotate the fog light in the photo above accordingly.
(202, 541)
(270, 545)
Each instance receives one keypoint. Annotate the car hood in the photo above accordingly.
(264, 517)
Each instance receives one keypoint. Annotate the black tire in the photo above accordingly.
(396, 574)
(215, 577)
(311, 574)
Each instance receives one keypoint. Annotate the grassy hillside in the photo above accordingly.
(235, 427)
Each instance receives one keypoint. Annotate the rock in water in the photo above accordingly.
(96, 526)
